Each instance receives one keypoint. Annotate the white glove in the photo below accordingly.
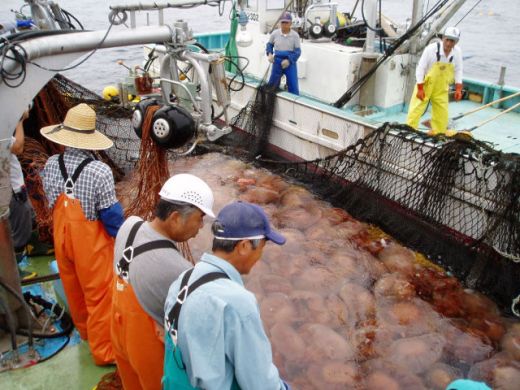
(270, 58)
(285, 63)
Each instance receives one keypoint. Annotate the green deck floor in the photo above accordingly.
(72, 368)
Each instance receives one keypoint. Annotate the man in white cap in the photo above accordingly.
(86, 218)
(439, 66)
(215, 338)
(147, 262)
(283, 50)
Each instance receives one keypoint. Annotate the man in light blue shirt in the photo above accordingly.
(217, 341)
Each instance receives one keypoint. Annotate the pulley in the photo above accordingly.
(172, 127)
(329, 30)
(315, 31)
(139, 115)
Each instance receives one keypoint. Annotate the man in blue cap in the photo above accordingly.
(283, 50)
(217, 341)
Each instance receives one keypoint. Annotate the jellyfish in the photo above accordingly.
(301, 217)
(295, 197)
(398, 259)
(383, 375)
(310, 307)
(260, 195)
(441, 375)
(511, 342)
(288, 342)
(394, 286)
(463, 347)
(506, 378)
(336, 215)
(275, 283)
(324, 343)
(416, 353)
(277, 308)
(334, 375)
(317, 278)
(359, 301)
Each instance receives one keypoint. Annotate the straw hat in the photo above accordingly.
(78, 130)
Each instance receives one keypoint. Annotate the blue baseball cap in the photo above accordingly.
(467, 384)
(242, 221)
(286, 17)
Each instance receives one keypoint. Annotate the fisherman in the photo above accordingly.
(86, 218)
(283, 50)
(147, 262)
(20, 209)
(217, 340)
(439, 65)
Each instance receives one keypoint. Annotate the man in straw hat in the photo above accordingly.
(215, 338)
(146, 262)
(86, 218)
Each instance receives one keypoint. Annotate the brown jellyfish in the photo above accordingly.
(359, 301)
(336, 215)
(295, 197)
(301, 217)
(394, 286)
(398, 259)
(317, 278)
(275, 283)
(506, 378)
(323, 343)
(277, 308)
(259, 195)
(462, 347)
(310, 306)
(441, 375)
(416, 353)
(288, 343)
(334, 375)
(511, 342)
(383, 375)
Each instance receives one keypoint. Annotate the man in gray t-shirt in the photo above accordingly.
(283, 50)
(146, 263)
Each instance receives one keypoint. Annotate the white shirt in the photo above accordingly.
(429, 57)
(16, 174)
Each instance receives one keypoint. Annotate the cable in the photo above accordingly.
(375, 29)
(467, 13)
(69, 15)
(79, 63)
(240, 72)
(358, 84)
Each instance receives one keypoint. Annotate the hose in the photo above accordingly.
(26, 309)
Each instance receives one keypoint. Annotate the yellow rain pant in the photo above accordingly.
(436, 86)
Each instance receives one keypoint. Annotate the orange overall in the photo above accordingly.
(85, 252)
(138, 345)
(138, 348)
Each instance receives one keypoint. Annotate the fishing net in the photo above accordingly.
(256, 118)
(455, 200)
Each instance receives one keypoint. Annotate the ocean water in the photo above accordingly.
(490, 35)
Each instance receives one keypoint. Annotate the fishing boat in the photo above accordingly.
(343, 133)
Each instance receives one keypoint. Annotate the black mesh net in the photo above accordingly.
(455, 200)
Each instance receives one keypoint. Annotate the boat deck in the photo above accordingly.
(503, 133)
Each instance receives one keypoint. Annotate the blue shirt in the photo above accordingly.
(220, 333)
